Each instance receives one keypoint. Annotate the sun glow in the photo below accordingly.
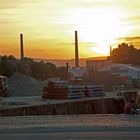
(100, 26)
(48, 26)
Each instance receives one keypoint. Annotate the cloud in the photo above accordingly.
(131, 40)
(132, 20)
(14, 4)
(49, 24)
(8, 4)
(12, 21)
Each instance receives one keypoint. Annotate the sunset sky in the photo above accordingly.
(48, 26)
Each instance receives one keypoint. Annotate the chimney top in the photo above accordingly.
(76, 50)
(21, 47)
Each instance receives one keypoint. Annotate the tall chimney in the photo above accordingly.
(110, 50)
(76, 50)
(67, 70)
(21, 47)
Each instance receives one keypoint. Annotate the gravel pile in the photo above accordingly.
(22, 85)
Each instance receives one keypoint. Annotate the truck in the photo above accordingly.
(3, 87)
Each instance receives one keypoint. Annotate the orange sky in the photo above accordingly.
(48, 26)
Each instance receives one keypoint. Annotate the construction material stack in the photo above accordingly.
(53, 91)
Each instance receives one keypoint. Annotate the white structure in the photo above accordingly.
(78, 73)
(95, 65)
(123, 70)
(58, 82)
(79, 91)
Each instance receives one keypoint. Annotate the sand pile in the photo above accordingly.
(22, 85)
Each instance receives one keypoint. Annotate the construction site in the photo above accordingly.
(22, 95)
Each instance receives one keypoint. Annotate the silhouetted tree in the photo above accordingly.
(126, 54)
(27, 66)
(8, 65)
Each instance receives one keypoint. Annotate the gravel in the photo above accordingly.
(23, 85)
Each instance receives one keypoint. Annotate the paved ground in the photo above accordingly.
(73, 136)
(111, 127)
(68, 122)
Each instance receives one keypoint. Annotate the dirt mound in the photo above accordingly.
(22, 85)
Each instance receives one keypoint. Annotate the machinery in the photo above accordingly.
(3, 87)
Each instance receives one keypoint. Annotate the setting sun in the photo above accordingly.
(101, 26)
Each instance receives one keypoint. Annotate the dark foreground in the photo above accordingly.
(73, 136)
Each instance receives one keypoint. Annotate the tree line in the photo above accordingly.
(125, 54)
(40, 70)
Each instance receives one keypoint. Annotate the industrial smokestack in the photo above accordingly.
(67, 70)
(110, 50)
(76, 50)
(21, 47)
